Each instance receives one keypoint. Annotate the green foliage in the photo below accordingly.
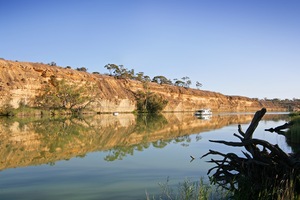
(293, 134)
(52, 63)
(282, 189)
(198, 84)
(187, 81)
(61, 95)
(155, 103)
(112, 68)
(119, 71)
(179, 83)
(268, 188)
(141, 101)
(81, 69)
(140, 76)
(118, 153)
(184, 82)
(150, 102)
(294, 114)
(146, 78)
(64, 131)
(150, 122)
(188, 190)
(161, 80)
(24, 110)
(146, 123)
(7, 110)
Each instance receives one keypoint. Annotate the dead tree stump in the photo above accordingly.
(264, 166)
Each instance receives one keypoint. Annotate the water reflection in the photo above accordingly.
(36, 141)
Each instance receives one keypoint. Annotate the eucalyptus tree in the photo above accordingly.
(81, 69)
(198, 84)
(112, 68)
(161, 80)
(179, 83)
(139, 76)
(119, 71)
(187, 81)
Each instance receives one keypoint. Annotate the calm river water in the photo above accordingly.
(114, 157)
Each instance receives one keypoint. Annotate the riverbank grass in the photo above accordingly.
(189, 190)
(293, 134)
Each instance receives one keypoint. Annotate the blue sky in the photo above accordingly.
(235, 47)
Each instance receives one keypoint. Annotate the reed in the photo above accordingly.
(293, 134)
(189, 190)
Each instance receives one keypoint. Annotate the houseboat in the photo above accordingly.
(203, 112)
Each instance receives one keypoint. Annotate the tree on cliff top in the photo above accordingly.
(161, 80)
(119, 71)
(198, 84)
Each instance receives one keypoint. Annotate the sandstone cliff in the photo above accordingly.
(23, 81)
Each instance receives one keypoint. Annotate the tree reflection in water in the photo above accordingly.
(146, 124)
(36, 141)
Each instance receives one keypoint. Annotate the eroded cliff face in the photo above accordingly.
(21, 82)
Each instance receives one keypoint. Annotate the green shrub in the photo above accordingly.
(293, 134)
(150, 102)
(188, 190)
(7, 110)
(61, 95)
(156, 103)
(294, 114)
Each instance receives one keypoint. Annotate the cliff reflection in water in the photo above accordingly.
(26, 142)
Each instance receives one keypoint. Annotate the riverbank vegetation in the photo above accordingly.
(189, 190)
(293, 133)
(60, 95)
(148, 102)
(57, 98)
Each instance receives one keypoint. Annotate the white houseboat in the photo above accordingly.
(203, 112)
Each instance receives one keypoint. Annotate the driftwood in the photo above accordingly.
(279, 129)
(263, 165)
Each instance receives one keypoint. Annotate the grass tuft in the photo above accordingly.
(189, 190)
